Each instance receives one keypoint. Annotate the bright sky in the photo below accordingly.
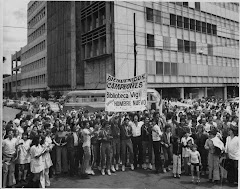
(14, 15)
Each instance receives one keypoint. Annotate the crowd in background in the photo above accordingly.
(197, 141)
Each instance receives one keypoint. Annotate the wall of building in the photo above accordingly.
(173, 48)
(34, 54)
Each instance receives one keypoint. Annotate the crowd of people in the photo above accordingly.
(197, 141)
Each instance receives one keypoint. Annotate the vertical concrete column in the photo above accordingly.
(225, 92)
(73, 46)
(182, 92)
(205, 92)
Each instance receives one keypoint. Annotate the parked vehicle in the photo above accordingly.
(10, 103)
(4, 102)
(15, 104)
(20, 104)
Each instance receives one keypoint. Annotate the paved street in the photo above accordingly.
(134, 179)
(129, 179)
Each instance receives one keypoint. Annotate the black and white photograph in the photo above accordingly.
(120, 94)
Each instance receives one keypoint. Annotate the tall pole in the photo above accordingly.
(135, 44)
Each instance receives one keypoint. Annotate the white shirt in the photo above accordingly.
(156, 133)
(86, 138)
(9, 146)
(136, 129)
(185, 151)
(232, 147)
(194, 156)
(75, 137)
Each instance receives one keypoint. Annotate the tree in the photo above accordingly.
(57, 94)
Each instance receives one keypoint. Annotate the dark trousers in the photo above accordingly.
(157, 154)
(74, 157)
(232, 175)
(137, 150)
(81, 153)
(167, 156)
(204, 158)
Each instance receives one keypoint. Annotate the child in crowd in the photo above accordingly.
(177, 151)
(195, 162)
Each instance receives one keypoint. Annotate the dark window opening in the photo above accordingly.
(150, 40)
(180, 21)
(159, 68)
(174, 70)
(197, 6)
(167, 70)
(204, 27)
(186, 46)
(149, 14)
(192, 24)
(185, 4)
(180, 45)
(198, 26)
(214, 29)
(172, 20)
(193, 46)
(186, 23)
(209, 28)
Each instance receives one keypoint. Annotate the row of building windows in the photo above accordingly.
(34, 50)
(190, 46)
(166, 68)
(95, 20)
(194, 25)
(41, 30)
(230, 6)
(94, 48)
(157, 16)
(185, 4)
(40, 79)
(33, 7)
(34, 65)
(37, 18)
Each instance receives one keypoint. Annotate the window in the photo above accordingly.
(172, 20)
(204, 27)
(214, 29)
(186, 23)
(192, 24)
(198, 26)
(185, 4)
(197, 6)
(210, 49)
(209, 29)
(186, 46)
(149, 14)
(167, 68)
(150, 40)
(179, 3)
(180, 45)
(174, 69)
(157, 16)
(180, 21)
(193, 46)
(159, 68)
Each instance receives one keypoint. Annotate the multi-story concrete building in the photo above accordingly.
(188, 49)
(34, 54)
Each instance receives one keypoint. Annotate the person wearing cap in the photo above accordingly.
(126, 142)
(213, 158)
(232, 153)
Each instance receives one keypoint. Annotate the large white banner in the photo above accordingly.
(126, 95)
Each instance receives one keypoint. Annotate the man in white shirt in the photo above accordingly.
(9, 146)
(86, 136)
(137, 140)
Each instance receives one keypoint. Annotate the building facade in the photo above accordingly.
(34, 54)
(188, 49)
